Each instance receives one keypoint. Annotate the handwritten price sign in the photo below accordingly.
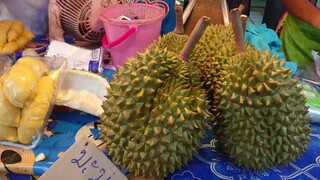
(83, 161)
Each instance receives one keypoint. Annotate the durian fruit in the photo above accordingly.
(28, 84)
(21, 41)
(172, 41)
(10, 115)
(33, 115)
(78, 87)
(34, 63)
(264, 117)
(211, 55)
(28, 34)
(8, 133)
(19, 85)
(24, 38)
(13, 36)
(10, 47)
(4, 28)
(155, 113)
(15, 30)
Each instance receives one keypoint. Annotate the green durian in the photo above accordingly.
(210, 56)
(171, 41)
(264, 116)
(155, 113)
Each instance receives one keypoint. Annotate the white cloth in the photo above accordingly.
(34, 13)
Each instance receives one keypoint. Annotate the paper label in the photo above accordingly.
(83, 161)
(77, 57)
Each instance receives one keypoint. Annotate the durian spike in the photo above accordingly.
(179, 29)
(195, 35)
(237, 30)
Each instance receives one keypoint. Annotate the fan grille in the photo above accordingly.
(75, 20)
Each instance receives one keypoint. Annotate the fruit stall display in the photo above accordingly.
(159, 108)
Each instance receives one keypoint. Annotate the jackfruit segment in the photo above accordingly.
(38, 66)
(26, 92)
(15, 30)
(8, 133)
(4, 28)
(33, 116)
(10, 114)
(10, 47)
(13, 36)
(19, 86)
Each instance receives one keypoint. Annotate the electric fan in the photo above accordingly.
(80, 18)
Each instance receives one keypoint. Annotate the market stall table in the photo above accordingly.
(66, 127)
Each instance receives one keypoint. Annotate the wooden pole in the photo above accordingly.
(179, 21)
(237, 30)
(244, 18)
(194, 37)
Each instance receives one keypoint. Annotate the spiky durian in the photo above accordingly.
(210, 56)
(265, 120)
(172, 41)
(155, 114)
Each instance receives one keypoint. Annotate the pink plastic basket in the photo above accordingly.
(124, 38)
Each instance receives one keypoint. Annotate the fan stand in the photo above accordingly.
(55, 29)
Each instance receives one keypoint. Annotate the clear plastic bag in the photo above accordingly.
(56, 67)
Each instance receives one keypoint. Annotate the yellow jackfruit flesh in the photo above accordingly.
(10, 114)
(33, 116)
(19, 86)
(38, 66)
(15, 31)
(8, 133)
(14, 36)
(6, 23)
(21, 41)
(24, 38)
(3, 77)
(26, 91)
(4, 28)
(10, 47)
(28, 34)
(3, 36)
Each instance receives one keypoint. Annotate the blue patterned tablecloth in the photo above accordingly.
(210, 163)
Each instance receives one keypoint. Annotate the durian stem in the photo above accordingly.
(241, 8)
(194, 37)
(237, 30)
(244, 18)
(179, 29)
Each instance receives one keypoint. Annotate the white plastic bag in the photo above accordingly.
(34, 13)
(316, 59)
